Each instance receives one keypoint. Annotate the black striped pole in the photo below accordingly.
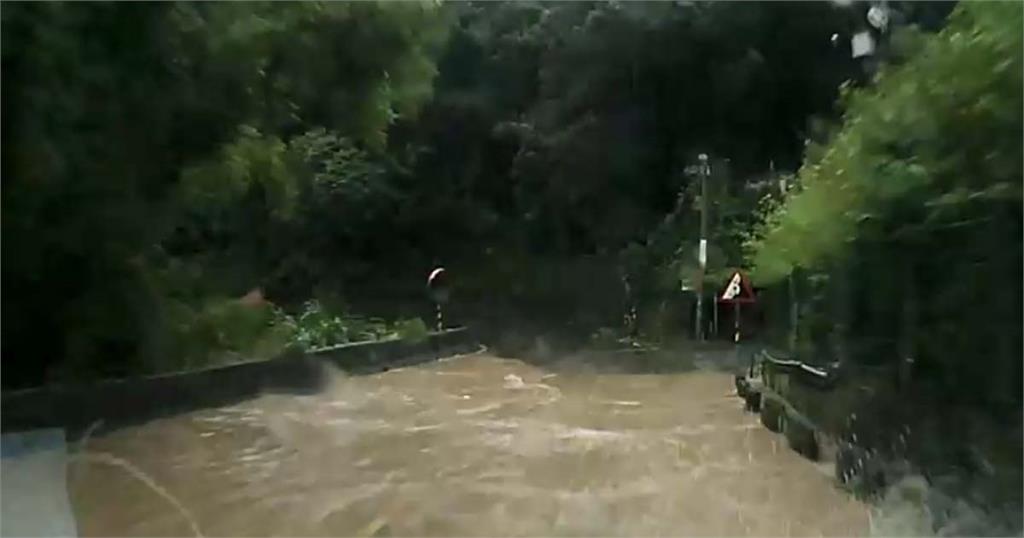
(438, 286)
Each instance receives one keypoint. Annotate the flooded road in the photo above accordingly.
(473, 445)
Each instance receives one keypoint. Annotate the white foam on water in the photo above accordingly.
(689, 431)
(513, 381)
(423, 428)
(481, 409)
(914, 507)
(623, 403)
(497, 424)
(591, 434)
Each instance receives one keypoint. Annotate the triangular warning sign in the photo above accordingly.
(737, 290)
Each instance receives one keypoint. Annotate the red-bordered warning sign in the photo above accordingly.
(738, 290)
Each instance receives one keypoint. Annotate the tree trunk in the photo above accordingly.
(794, 313)
(840, 311)
(908, 351)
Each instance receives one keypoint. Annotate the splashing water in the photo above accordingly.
(476, 445)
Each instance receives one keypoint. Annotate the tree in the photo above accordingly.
(108, 106)
(919, 198)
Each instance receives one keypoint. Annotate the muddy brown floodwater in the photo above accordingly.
(472, 445)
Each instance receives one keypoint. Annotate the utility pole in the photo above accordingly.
(702, 255)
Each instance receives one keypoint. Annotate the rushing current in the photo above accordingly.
(471, 445)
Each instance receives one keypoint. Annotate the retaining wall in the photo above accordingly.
(135, 400)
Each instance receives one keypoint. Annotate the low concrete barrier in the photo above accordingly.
(134, 400)
(820, 377)
(812, 405)
(366, 357)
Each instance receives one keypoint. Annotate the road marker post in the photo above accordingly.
(437, 285)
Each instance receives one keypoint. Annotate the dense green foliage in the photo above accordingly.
(145, 144)
(905, 226)
(901, 242)
(559, 138)
(316, 328)
(187, 184)
(163, 160)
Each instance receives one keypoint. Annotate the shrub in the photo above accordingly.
(413, 330)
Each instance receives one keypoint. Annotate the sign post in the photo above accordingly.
(737, 292)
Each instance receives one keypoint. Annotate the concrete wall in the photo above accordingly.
(135, 400)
